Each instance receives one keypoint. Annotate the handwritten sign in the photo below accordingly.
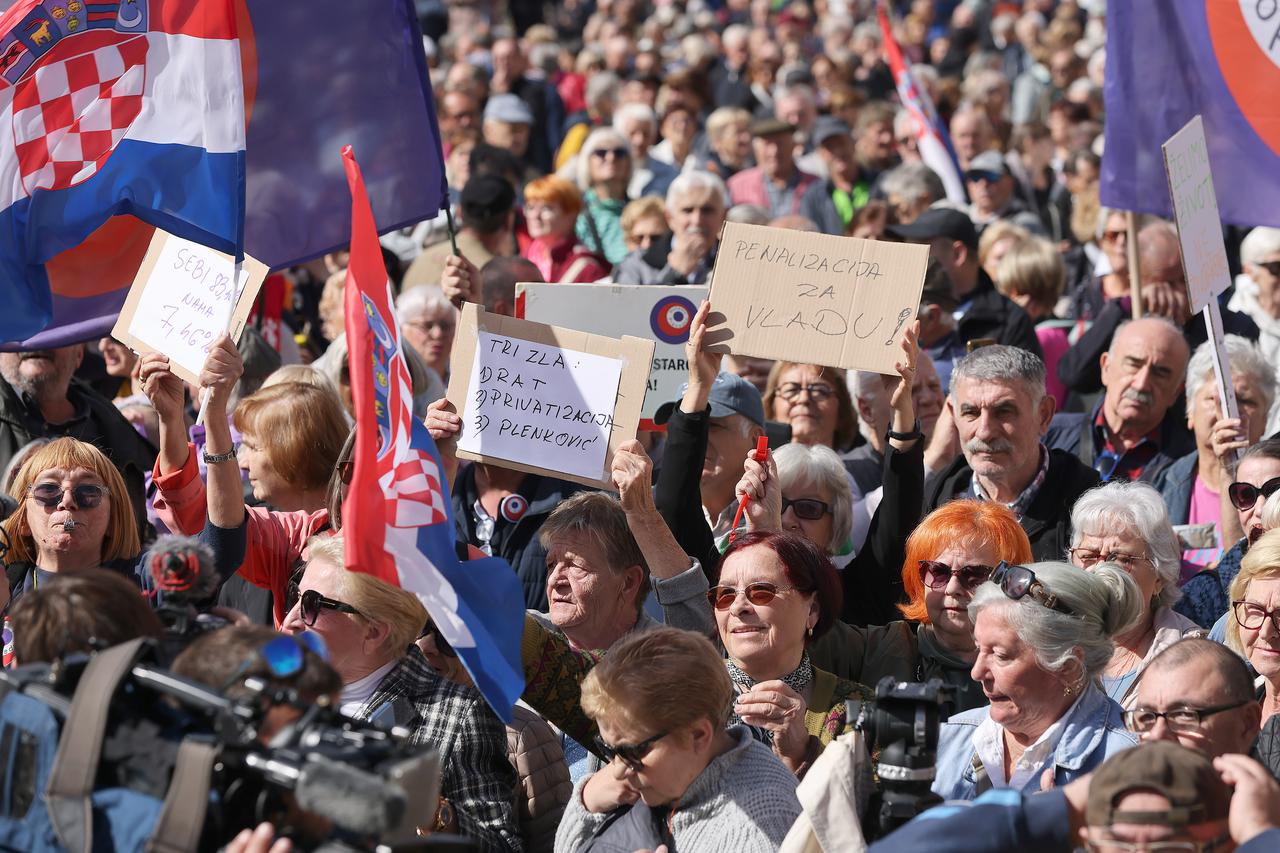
(813, 298)
(662, 313)
(183, 298)
(1195, 206)
(545, 399)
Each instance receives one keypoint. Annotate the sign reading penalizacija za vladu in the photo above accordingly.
(544, 399)
(813, 298)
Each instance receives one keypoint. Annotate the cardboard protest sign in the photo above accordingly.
(545, 399)
(661, 313)
(1195, 207)
(183, 298)
(814, 298)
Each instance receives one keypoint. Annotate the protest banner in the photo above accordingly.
(1204, 256)
(545, 399)
(661, 313)
(183, 298)
(813, 298)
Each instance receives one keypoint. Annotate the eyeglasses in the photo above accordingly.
(312, 602)
(1251, 615)
(632, 755)
(818, 391)
(85, 495)
(1179, 719)
(1245, 495)
(1087, 557)
(936, 575)
(1106, 463)
(1272, 267)
(1017, 582)
(983, 176)
(646, 239)
(809, 509)
(617, 153)
(284, 656)
(424, 327)
(759, 593)
(1112, 236)
(1107, 845)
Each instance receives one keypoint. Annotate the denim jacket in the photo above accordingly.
(1095, 730)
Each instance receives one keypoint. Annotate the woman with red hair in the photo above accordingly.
(551, 208)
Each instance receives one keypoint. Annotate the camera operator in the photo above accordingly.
(81, 613)
(370, 626)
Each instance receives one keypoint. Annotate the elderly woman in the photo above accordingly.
(604, 170)
(644, 222)
(1127, 524)
(369, 627)
(1043, 636)
(1252, 628)
(677, 776)
(729, 135)
(815, 402)
(551, 209)
(427, 321)
(817, 502)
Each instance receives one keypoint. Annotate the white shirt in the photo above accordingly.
(357, 693)
(988, 743)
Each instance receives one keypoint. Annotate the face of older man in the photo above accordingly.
(698, 211)
(1000, 426)
(513, 136)
(41, 371)
(1196, 685)
(775, 155)
(1143, 375)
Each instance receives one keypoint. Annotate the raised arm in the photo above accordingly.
(223, 368)
(168, 396)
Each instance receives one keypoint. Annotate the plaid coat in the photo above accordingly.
(476, 776)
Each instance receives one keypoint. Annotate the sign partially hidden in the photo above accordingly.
(183, 298)
(544, 399)
(813, 298)
(1195, 206)
(661, 313)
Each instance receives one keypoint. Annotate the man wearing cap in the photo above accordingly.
(488, 217)
(983, 313)
(775, 183)
(542, 103)
(830, 204)
(991, 186)
(508, 124)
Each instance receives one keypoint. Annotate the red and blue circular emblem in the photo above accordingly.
(671, 318)
(513, 507)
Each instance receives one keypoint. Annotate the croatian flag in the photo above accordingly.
(932, 139)
(397, 506)
(106, 108)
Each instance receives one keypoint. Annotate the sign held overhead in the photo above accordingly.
(1195, 206)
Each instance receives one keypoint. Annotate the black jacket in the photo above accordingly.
(1047, 521)
(992, 315)
(1072, 432)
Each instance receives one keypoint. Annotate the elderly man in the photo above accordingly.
(831, 204)
(991, 186)
(775, 183)
(1127, 436)
(639, 124)
(696, 204)
(508, 124)
(459, 111)
(546, 109)
(971, 134)
(910, 190)
(40, 398)
(1001, 411)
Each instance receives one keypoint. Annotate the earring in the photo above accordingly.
(1068, 690)
(810, 632)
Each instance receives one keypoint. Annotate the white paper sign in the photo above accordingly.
(1204, 257)
(540, 405)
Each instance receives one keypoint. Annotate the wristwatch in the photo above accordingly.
(916, 433)
(210, 459)
(444, 816)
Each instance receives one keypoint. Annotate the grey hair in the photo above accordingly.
(913, 182)
(418, 300)
(869, 30)
(634, 112)
(696, 179)
(751, 214)
(1000, 363)
(1258, 244)
(1106, 602)
(1135, 508)
(818, 466)
(735, 32)
(598, 138)
(1154, 318)
(602, 86)
(1245, 359)
(796, 90)
(865, 385)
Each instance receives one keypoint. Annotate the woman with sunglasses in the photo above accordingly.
(604, 170)
(1128, 524)
(1253, 622)
(551, 208)
(676, 775)
(1257, 290)
(1043, 635)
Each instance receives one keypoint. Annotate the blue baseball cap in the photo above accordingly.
(730, 395)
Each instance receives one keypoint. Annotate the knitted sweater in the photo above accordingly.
(743, 801)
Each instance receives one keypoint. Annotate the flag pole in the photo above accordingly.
(1131, 249)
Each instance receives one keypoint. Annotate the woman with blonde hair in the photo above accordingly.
(814, 400)
(1253, 622)
(551, 209)
(1031, 273)
(604, 170)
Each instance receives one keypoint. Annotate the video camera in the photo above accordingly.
(901, 726)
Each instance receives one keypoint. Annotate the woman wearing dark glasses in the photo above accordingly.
(1253, 622)
(1044, 635)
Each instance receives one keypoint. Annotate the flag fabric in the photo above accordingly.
(1167, 62)
(122, 107)
(932, 139)
(397, 507)
(316, 76)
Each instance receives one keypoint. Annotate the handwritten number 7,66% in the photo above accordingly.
(190, 334)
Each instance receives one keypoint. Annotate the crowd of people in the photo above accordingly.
(1045, 507)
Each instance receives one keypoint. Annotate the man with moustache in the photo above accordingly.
(1001, 411)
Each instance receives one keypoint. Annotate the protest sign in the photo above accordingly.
(813, 298)
(183, 298)
(544, 399)
(661, 313)
(1195, 208)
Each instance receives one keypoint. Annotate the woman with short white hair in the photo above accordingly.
(427, 321)
(604, 171)
(1257, 290)
(1127, 524)
(817, 501)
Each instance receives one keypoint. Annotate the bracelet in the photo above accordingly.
(211, 459)
(916, 433)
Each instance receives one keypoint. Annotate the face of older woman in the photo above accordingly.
(948, 605)
(1256, 470)
(816, 530)
(268, 484)
(548, 219)
(610, 163)
(587, 599)
(1025, 699)
(666, 771)
(1262, 644)
(57, 548)
(806, 401)
(766, 640)
(1126, 549)
(431, 334)
(351, 652)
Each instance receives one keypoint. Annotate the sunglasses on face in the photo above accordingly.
(936, 575)
(1272, 267)
(618, 153)
(312, 602)
(983, 176)
(442, 645)
(759, 593)
(1017, 582)
(86, 495)
(284, 656)
(809, 509)
(1245, 495)
(632, 755)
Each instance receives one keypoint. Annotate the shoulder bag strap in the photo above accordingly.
(182, 816)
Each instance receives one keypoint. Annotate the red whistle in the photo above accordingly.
(762, 453)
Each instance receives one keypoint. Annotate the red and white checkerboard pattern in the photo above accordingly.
(409, 479)
(69, 115)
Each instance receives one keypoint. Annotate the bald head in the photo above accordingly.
(498, 282)
(1143, 374)
(1159, 259)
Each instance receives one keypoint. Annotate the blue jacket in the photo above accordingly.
(1094, 731)
(1175, 484)
(1205, 597)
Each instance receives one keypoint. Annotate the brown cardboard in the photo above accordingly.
(813, 298)
(1195, 207)
(636, 355)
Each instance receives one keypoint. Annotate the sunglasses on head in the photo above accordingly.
(312, 602)
(85, 495)
(1018, 582)
(632, 755)
(759, 593)
(1244, 495)
(809, 509)
(936, 575)
(284, 656)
